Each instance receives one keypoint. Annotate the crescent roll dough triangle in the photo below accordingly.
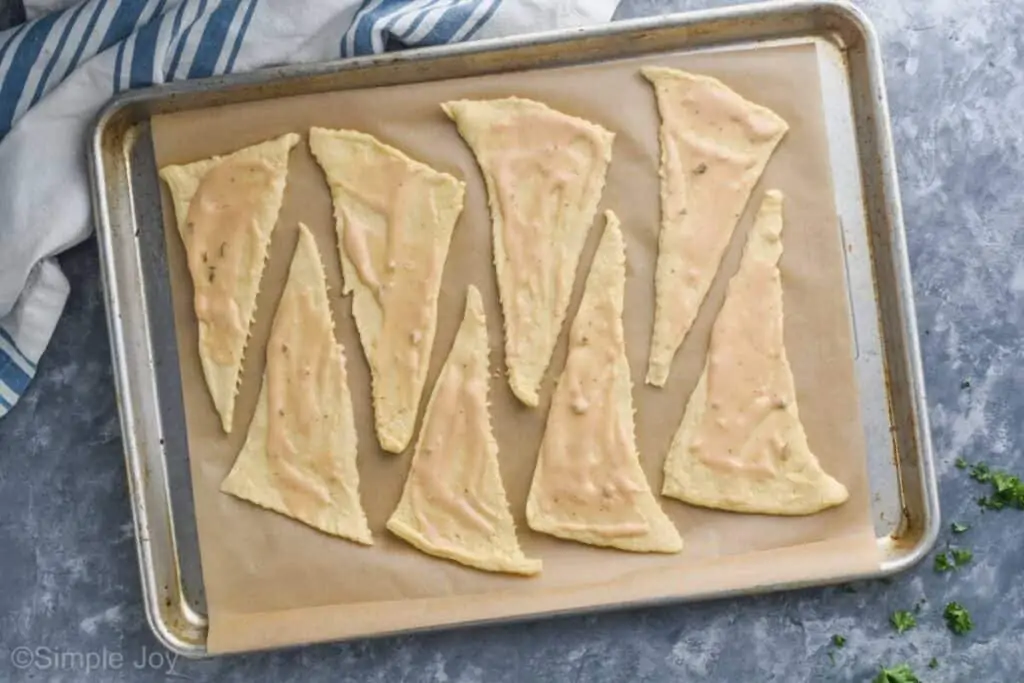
(299, 457)
(394, 218)
(714, 147)
(544, 172)
(588, 485)
(741, 445)
(454, 503)
(226, 208)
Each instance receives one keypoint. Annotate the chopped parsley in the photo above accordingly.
(965, 384)
(962, 556)
(952, 559)
(838, 640)
(902, 621)
(958, 528)
(1005, 483)
(980, 472)
(961, 463)
(958, 619)
(933, 663)
(897, 674)
(1007, 489)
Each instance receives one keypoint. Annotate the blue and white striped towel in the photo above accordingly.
(57, 70)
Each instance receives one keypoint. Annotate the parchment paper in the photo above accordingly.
(270, 580)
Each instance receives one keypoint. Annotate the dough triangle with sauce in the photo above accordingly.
(454, 504)
(714, 146)
(226, 208)
(588, 485)
(741, 445)
(544, 172)
(394, 218)
(299, 457)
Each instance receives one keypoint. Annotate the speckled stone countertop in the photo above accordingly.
(955, 69)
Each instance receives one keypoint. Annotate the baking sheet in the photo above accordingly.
(272, 581)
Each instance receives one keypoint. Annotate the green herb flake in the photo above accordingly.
(1007, 489)
(980, 472)
(958, 619)
(902, 621)
(962, 556)
(942, 563)
(897, 674)
(961, 463)
(933, 663)
(838, 640)
(1003, 482)
(958, 528)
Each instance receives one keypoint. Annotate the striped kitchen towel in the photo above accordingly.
(57, 70)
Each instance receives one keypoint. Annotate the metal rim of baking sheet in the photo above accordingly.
(126, 205)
